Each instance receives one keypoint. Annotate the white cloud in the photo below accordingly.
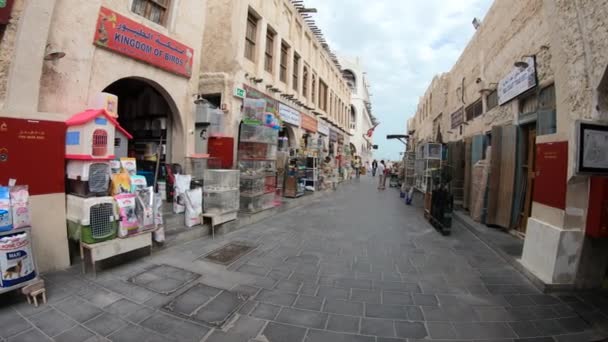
(402, 44)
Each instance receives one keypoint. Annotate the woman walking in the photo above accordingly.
(382, 175)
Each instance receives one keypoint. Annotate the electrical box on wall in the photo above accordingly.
(597, 213)
(223, 149)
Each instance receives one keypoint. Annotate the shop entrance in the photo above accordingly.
(527, 173)
(145, 112)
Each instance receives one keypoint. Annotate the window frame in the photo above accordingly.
(296, 72)
(305, 82)
(470, 111)
(163, 5)
(493, 95)
(283, 60)
(251, 37)
(269, 50)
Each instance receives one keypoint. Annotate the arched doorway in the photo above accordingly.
(287, 138)
(147, 111)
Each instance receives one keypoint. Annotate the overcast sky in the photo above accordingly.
(403, 44)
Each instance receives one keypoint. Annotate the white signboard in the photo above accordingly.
(289, 115)
(323, 127)
(517, 82)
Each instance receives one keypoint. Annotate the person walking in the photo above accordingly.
(382, 175)
(374, 167)
(357, 166)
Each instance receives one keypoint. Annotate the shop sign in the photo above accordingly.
(333, 135)
(591, 148)
(309, 123)
(5, 11)
(289, 115)
(240, 92)
(457, 118)
(323, 127)
(272, 105)
(550, 181)
(125, 36)
(517, 82)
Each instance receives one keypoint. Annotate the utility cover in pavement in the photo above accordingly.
(229, 253)
(206, 304)
(163, 279)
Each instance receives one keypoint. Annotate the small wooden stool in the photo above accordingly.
(32, 291)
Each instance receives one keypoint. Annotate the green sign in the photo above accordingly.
(238, 92)
(2, 3)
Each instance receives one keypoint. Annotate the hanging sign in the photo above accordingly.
(289, 115)
(591, 148)
(125, 36)
(272, 105)
(240, 92)
(309, 123)
(518, 81)
(5, 11)
(323, 127)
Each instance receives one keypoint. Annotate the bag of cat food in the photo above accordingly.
(159, 233)
(6, 219)
(20, 201)
(16, 260)
(129, 165)
(128, 223)
(138, 183)
(182, 183)
(194, 206)
(145, 208)
(121, 183)
(115, 166)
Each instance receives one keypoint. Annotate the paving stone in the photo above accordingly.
(343, 323)
(219, 309)
(424, 299)
(288, 285)
(132, 333)
(253, 269)
(174, 327)
(266, 311)
(276, 297)
(98, 296)
(52, 322)
(130, 291)
(452, 313)
(11, 323)
(275, 332)
(75, 334)
(354, 283)
(492, 314)
(441, 330)
(105, 324)
(519, 300)
(332, 292)
(410, 329)
(343, 307)
(397, 286)
(549, 327)
(31, 335)
(129, 310)
(305, 318)
(573, 325)
(309, 303)
(244, 329)
(483, 331)
(385, 311)
(544, 300)
(192, 299)
(309, 290)
(327, 336)
(78, 309)
(390, 339)
(367, 296)
(377, 327)
(414, 313)
(397, 298)
(247, 307)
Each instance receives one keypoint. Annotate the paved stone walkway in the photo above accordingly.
(357, 265)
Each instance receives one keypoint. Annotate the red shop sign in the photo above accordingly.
(5, 11)
(309, 123)
(551, 174)
(123, 35)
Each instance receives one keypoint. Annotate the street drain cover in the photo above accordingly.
(229, 253)
(206, 304)
(163, 279)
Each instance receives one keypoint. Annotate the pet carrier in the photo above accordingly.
(91, 220)
(88, 178)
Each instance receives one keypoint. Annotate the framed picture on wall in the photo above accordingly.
(591, 148)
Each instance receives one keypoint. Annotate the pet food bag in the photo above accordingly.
(115, 166)
(159, 233)
(121, 183)
(20, 201)
(6, 219)
(145, 208)
(182, 183)
(16, 260)
(129, 165)
(138, 183)
(194, 206)
(128, 223)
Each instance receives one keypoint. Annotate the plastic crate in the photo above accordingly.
(91, 220)
(88, 178)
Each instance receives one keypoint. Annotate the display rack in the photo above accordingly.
(428, 159)
(410, 169)
(257, 156)
(312, 173)
(296, 177)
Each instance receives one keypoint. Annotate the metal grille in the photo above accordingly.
(102, 220)
(99, 177)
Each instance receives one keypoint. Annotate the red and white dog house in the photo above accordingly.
(90, 135)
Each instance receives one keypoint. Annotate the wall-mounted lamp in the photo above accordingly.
(522, 64)
(52, 54)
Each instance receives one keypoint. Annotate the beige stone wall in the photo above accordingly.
(7, 47)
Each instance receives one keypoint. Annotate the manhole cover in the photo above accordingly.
(229, 253)
(163, 279)
(206, 304)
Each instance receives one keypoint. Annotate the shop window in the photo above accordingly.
(250, 36)
(492, 100)
(269, 55)
(313, 90)
(153, 10)
(528, 105)
(296, 71)
(474, 110)
(100, 143)
(305, 82)
(546, 120)
(283, 66)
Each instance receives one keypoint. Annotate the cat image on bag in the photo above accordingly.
(13, 272)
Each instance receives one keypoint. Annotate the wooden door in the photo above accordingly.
(528, 173)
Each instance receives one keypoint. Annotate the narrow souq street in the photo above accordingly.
(355, 265)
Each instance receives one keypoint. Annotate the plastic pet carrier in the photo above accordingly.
(91, 220)
(88, 178)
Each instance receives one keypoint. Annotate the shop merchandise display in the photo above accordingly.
(92, 219)
(194, 206)
(138, 183)
(144, 207)
(129, 165)
(121, 184)
(88, 178)
(221, 191)
(128, 222)
(20, 198)
(115, 166)
(6, 213)
(182, 183)
(16, 260)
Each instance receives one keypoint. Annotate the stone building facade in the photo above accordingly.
(50, 69)
(568, 44)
